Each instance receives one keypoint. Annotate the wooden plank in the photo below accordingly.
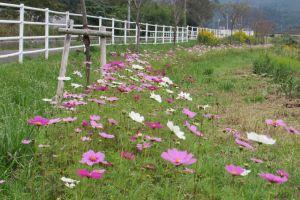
(63, 66)
(85, 32)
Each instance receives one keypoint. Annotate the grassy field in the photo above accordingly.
(221, 79)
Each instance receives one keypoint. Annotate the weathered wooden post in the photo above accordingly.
(103, 48)
(63, 65)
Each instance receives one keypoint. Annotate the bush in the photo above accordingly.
(207, 37)
(242, 38)
(284, 71)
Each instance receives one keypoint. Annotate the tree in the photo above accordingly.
(199, 11)
(177, 13)
(138, 6)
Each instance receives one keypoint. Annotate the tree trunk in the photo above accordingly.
(175, 35)
(138, 30)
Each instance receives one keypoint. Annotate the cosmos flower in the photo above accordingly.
(193, 129)
(2, 181)
(256, 160)
(75, 85)
(38, 121)
(95, 174)
(26, 141)
(54, 121)
(96, 125)
(78, 73)
(63, 78)
(176, 130)
(138, 67)
(107, 136)
(90, 158)
(292, 130)
(184, 96)
(70, 183)
(69, 119)
(153, 139)
(85, 139)
(95, 117)
(136, 117)
(177, 157)
(154, 125)
(211, 116)
(112, 121)
(145, 145)
(127, 155)
(112, 99)
(244, 144)
(275, 123)
(169, 111)
(189, 113)
(273, 178)
(260, 138)
(236, 170)
(156, 97)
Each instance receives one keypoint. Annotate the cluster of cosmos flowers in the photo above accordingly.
(143, 78)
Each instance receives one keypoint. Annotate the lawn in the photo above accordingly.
(221, 79)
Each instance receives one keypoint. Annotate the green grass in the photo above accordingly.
(221, 79)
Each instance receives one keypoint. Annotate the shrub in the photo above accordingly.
(242, 38)
(207, 37)
(284, 71)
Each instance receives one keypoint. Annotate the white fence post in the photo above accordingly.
(170, 34)
(47, 33)
(182, 32)
(21, 33)
(155, 34)
(125, 32)
(187, 34)
(177, 30)
(136, 33)
(67, 19)
(113, 31)
(163, 34)
(146, 33)
(100, 25)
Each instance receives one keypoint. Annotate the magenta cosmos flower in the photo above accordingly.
(275, 123)
(282, 178)
(127, 155)
(26, 141)
(236, 170)
(154, 125)
(189, 113)
(107, 136)
(177, 157)
(38, 121)
(90, 158)
(95, 174)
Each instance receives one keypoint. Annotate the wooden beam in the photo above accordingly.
(84, 32)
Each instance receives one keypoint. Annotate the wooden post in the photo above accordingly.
(46, 33)
(63, 66)
(103, 48)
(21, 33)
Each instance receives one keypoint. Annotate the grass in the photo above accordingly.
(221, 79)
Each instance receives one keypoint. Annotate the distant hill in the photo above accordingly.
(284, 13)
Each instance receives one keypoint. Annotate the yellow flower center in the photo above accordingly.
(177, 160)
(93, 158)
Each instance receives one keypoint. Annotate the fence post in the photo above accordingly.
(146, 34)
(125, 32)
(100, 24)
(136, 33)
(163, 35)
(113, 31)
(46, 33)
(182, 33)
(155, 34)
(67, 19)
(103, 48)
(21, 33)
(170, 34)
(187, 34)
(177, 30)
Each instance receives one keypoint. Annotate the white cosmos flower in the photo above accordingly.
(70, 183)
(134, 78)
(78, 73)
(138, 67)
(129, 70)
(156, 97)
(169, 91)
(245, 173)
(183, 95)
(101, 81)
(47, 100)
(64, 78)
(167, 80)
(136, 117)
(260, 138)
(170, 111)
(176, 130)
(75, 85)
(204, 107)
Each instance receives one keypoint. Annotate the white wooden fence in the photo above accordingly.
(123, 32)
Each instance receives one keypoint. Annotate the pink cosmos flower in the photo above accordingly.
(95, 117)
(154, 125)
(282, 173)
(256, 160)
(137, 98)
(95, 174)
(235, 170)
(69, 119)
(78, 130)
(54, 121)
(26, 141)
(211, 116)
(98, 101)
(85, 123)
(127, 155)
(107, 136)
(193, 129)
(292, 130)
(273, 178)
(112, 122)
(2, 181)
(112, 99)
(244, 144)
(38, 121)
(96, 125)
(145, 145)
(153, 139)
(101, 88)
(177, 157)
(90, 158)
(189, 113)
(170, 100)
(275, 123)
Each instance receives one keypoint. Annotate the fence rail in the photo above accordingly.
(123, 32)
